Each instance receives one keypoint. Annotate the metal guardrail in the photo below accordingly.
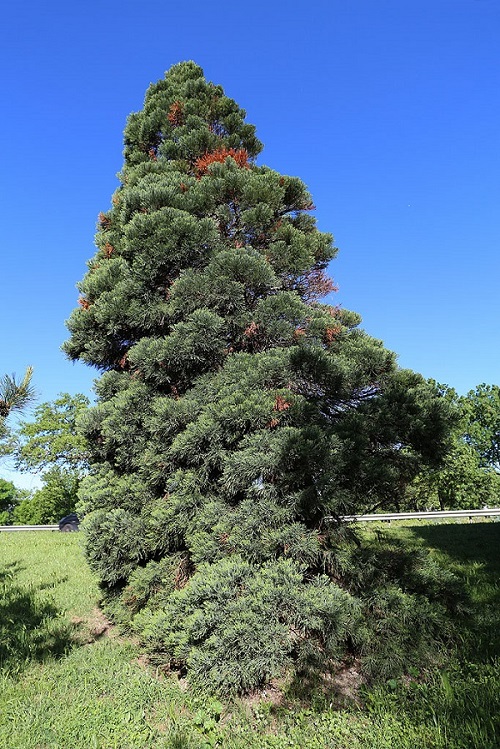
(426, 515)
(29, 528)
(376, 517)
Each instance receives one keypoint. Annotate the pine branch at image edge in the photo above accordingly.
(236, 411)
(14, 395)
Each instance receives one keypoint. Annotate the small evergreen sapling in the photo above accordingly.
(235, 410)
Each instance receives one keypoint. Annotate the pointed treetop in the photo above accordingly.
(185, 117)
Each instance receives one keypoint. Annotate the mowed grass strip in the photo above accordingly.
(68, 680)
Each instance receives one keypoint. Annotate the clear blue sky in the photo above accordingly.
(389, 110)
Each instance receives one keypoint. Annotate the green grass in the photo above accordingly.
(68, 681)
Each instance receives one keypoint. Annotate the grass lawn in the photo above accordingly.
(68, 680)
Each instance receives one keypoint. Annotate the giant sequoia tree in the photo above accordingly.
(238, 416)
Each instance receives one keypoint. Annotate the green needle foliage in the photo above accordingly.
(237, 415)
(14, 395)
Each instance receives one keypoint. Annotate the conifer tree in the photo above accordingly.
(14, 396)
(237, 416)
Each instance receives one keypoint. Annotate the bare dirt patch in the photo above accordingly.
(347, 682)
(92, 627)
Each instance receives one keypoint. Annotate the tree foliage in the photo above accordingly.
(15, 395)
(8, 497)
(482, 409)
(56, 498)
(50, 438)
(50, 442)
(236, 412)
(462, 483)
(468, 478)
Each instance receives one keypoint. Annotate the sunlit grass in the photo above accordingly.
(68, 681)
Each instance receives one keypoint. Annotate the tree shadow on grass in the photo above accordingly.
(31, 629)
(459, 698)
(465, 542)
(474, 552)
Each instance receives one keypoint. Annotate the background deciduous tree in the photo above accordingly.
(482, 408)
(50, 437)
(56, 498)
(469, 477)
(8, 497)
(49, 442)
